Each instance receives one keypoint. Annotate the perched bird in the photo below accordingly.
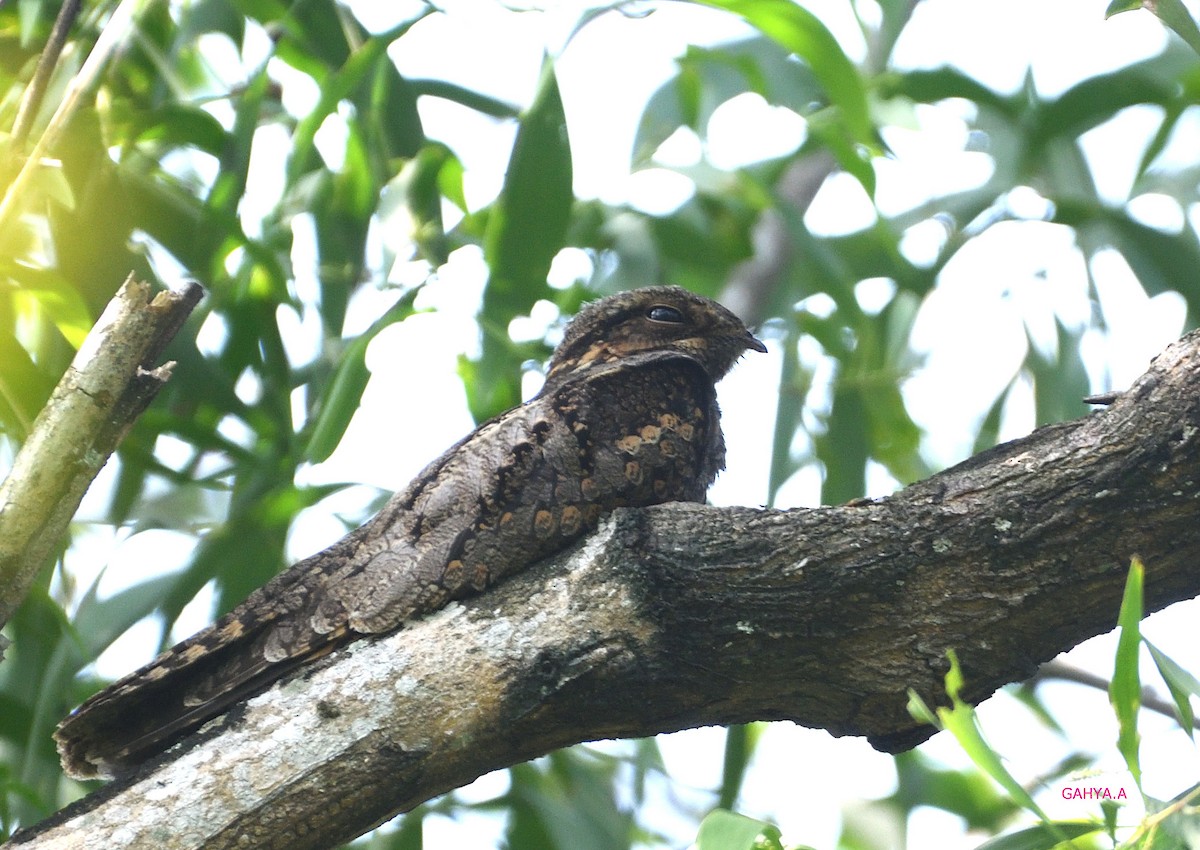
(627, 417)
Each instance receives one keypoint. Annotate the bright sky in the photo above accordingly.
(606, 74)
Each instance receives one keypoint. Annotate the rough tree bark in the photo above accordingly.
(680, 616)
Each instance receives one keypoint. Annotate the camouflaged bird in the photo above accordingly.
(628, 416)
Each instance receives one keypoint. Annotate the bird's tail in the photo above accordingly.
(152, 708)
(192, 682)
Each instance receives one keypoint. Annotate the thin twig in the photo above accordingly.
(1066, 673)
(31, 100)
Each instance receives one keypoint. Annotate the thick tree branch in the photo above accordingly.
(681, 615)
(112, 379)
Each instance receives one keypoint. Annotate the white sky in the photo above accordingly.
(801, 778)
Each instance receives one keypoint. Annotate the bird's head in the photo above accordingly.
(656, 318)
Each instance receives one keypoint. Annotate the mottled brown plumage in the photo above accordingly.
(628, 416)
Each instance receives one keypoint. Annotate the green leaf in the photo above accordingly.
(709, 77)
(1182, 685)
(966, 793)
(59, 300)
(918, 709)
(172, 214)
(52, 184)
(483, 103)
(316, 36)
(1094, 101)
(1163, 262)
(1060, 382)
(962, 722)
(35, 674)
(931, 86)
(205, 16)
(410, 207)
(566, 802)
(24, 387)
(1174, 823)
(845, 447)
(1116, 7)
(849, 132)
(724, 830)
(368, 77)
(1110, 809)
(388, 105)
(1172, 113)
(1042, 836)
(740, 742)
(794, 385)
(230, 185)
(526, 228)
(178, 124)
(342, 219)
(1125, 689)
(99, 622)
(1176, 16)
(802, 32)
(896, 15)
(29, 14)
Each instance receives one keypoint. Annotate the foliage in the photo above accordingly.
(1166, 823)
(724, 830)
(1171, 12)
(153, 159)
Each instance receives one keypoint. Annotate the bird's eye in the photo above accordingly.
(662, 313)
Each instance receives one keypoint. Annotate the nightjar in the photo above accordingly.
(627, 417)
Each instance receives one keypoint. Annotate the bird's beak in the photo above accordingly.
(754, 342)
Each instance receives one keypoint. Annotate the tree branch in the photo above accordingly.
(680, 615)
(31, 100)
(110, 382)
